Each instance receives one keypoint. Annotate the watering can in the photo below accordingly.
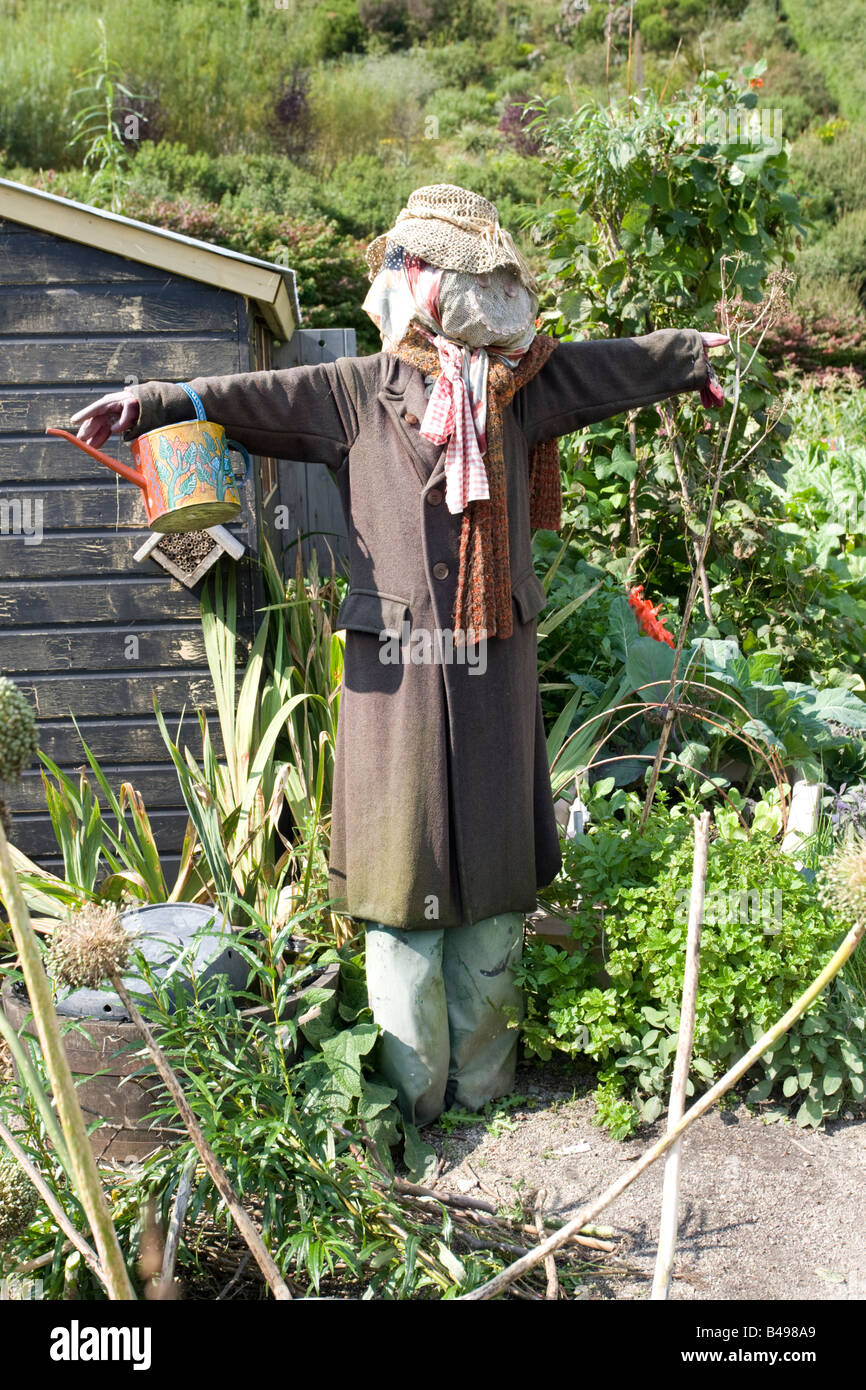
(184, 471)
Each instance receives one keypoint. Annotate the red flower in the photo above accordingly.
(647, 616)
(756, 81)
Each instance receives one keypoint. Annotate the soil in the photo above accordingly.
(767, 1211)
(187, 549)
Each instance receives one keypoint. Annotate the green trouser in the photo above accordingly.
(443, 999)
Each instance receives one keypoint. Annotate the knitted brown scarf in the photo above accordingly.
(483, 602)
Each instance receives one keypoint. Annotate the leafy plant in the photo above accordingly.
(766, 930)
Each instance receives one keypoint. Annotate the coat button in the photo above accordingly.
(440, 570)
(410, 418)
(434, 497)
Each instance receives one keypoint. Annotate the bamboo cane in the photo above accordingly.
(85, 1173)
(677, 1104)
(767, 1040)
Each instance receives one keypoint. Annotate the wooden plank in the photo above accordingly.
(101, 649)
(79, 554)
(112, 362)
(114, 740)
(174, 306)
(157, 785)
(53, 864)
(114, 601)
(112, 504)
(46, 459)
(34, 834)
(28, 257)
(91, 693)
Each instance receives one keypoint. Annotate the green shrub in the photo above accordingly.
(840, 254)
(828, 171)
(766, 935)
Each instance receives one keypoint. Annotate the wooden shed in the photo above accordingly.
(90, 302)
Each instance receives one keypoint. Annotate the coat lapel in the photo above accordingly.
(402, 395)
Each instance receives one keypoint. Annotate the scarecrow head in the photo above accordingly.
(448, 267)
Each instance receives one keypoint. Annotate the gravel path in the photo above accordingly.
(767, 1211)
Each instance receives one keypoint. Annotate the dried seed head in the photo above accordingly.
(18, 1199)
(18, 737)
(843, 879)
(88, 949)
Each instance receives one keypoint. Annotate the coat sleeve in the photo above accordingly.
(583, 382)
(297, 413)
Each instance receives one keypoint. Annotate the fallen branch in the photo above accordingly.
(549, 1262)
(501, 1281)
(685, 1037)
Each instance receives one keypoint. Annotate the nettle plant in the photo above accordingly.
(657, 213)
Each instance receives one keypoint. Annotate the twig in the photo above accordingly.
(259, 1250)
(51, 1202)
(685, 1037)
(235, 1277)
(549, 1262)
(169, 1254)
(764, 1044)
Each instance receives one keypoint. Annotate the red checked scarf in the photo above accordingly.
(483, 603)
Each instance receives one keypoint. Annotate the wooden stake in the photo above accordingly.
(677, 1103)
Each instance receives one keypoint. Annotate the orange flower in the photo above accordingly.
(647, 616)
(756, 81)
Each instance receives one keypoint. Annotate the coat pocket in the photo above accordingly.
(366, 610)
(529, 595)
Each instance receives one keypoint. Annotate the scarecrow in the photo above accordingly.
(444, 449)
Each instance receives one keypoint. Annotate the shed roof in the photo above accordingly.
(272, 287)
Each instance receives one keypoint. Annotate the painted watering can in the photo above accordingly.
(184, 471)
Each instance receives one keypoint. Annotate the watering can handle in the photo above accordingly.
(196, 400)
(233, 444)
(131, 474)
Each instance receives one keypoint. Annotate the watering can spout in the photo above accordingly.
(131, 474)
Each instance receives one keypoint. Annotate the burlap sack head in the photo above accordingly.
(491, 308)
(454, 229)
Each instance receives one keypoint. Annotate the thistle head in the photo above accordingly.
(18, 1199)
(843, 880)
(90, 948)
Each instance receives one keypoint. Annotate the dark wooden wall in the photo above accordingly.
(75, 323)
(305, 493)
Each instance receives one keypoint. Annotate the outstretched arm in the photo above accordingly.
(299, 412)
(587, 381)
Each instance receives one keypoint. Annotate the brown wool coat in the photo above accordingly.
(442, 810)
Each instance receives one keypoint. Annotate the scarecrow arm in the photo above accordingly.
(592, 380)
(297, 413)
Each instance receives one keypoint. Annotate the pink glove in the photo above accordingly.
(712, 391)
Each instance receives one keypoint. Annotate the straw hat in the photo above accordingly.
(454, 229)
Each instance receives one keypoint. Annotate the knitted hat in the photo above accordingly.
(454, 229)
